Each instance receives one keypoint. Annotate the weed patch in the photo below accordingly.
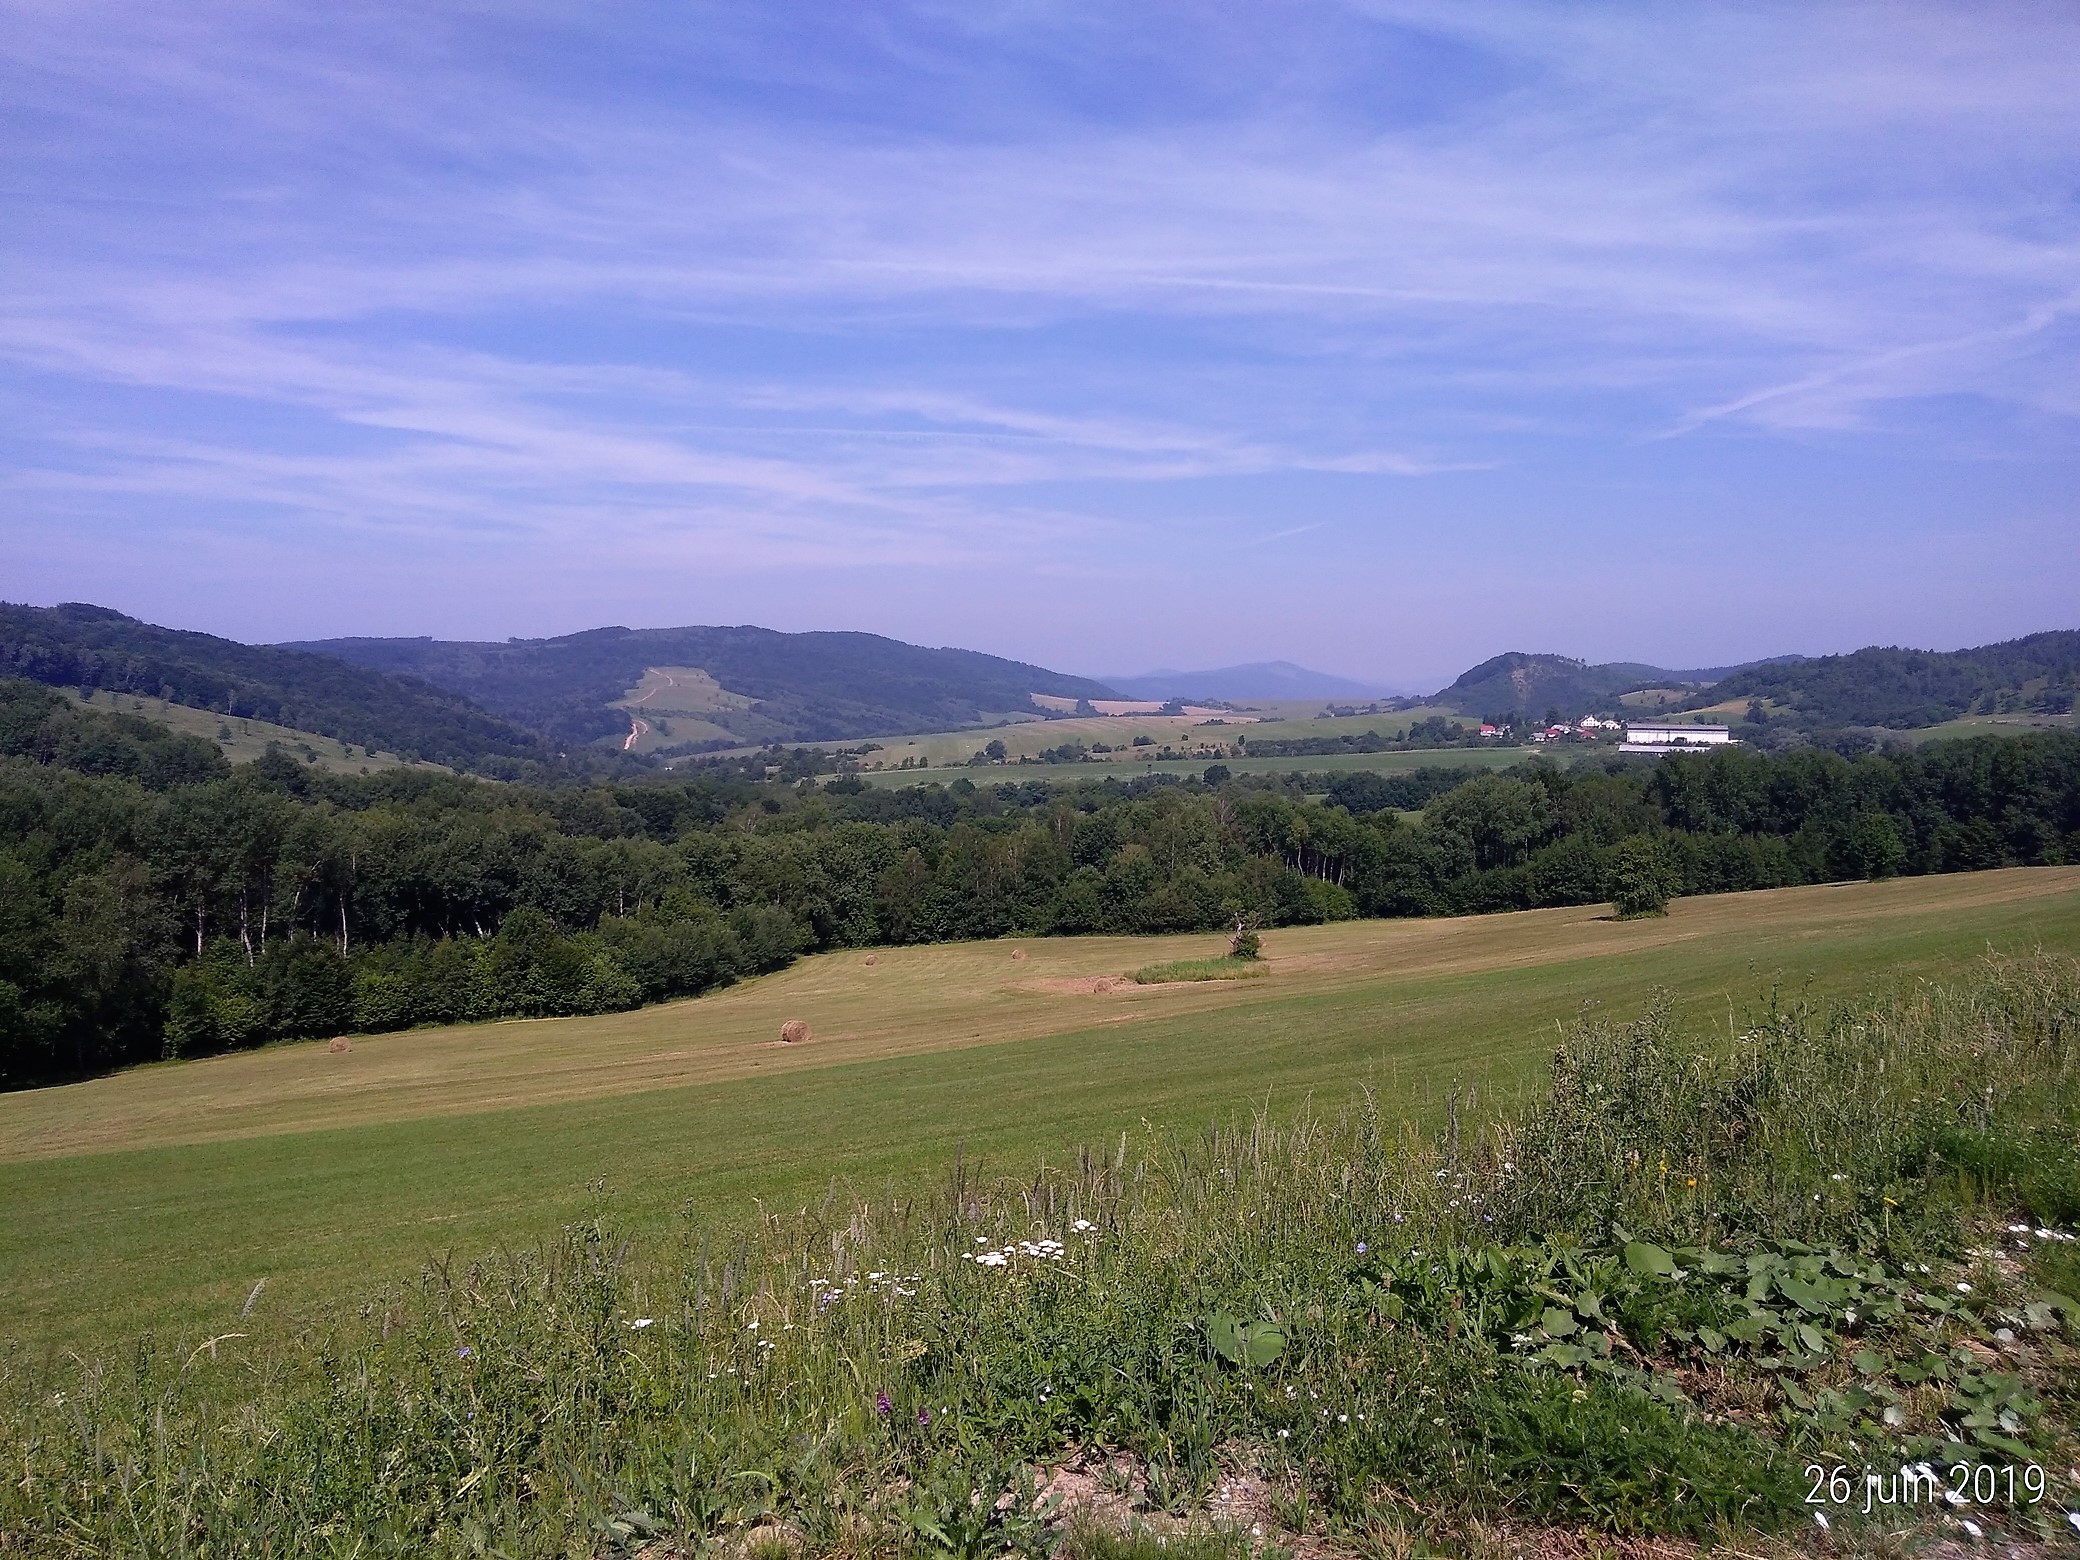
(1230, 968)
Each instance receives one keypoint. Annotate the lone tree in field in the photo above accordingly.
(1245, 944)
(1643, 878)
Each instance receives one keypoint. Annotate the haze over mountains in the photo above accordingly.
(491, 707)
(1254, 680)
(801, 687)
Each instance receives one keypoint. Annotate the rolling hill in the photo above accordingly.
(810, 687)
(76, 645)
(1886, 686)
(1519, 684)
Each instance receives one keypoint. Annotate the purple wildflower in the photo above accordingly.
(924, 1416)
(462, 1353)
(881, 1403)
(1361, 1248)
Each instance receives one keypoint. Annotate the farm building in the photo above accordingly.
(1655, 737)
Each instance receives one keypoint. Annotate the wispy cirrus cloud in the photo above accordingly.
(956, 288)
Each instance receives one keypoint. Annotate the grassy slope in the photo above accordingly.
(249, 738)
(326, 1173)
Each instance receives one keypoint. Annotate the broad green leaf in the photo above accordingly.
(1649, 1260)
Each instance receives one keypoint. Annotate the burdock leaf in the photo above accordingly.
(1263, 1342)
(1649, 1260)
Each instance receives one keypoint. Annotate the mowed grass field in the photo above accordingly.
(159, 1197)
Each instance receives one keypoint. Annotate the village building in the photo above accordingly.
(1672, 737)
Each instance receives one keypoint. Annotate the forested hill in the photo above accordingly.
(806, 687)
(1902, 689)
(1516, 685)
(81, 646)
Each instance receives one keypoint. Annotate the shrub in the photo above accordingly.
(1643, 877)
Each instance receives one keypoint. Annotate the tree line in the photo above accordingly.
(155, 905)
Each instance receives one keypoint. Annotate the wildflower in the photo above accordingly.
(1964, 1289)
(1361, 1248)
(1690, 1180)
(463, 1352)
(1821, 1518)
(924, 1416)
(1286, 1434)
(1343, 1419)
(1837, 1178)
(641, 1322)
(1082, 1226)
(752, 1325)
(882, 1404)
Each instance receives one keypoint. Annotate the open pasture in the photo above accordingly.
(162, 1195)
(242, 739)
(1128, 766)
(1028, 734)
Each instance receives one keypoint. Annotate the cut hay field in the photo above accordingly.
(243, 740)
(162, 1195)
(1026, 735)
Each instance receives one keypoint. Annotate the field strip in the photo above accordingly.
(916, 1001)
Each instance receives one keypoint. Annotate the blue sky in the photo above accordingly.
(1380, 337)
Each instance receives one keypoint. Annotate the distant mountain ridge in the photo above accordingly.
(1252, 680)
(1877, 687)
(810, 687)
(80, 645)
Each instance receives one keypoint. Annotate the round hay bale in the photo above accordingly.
(794, 1031)
(1018, 953)
(873, 958)
(1100, 986)
(339, 1045)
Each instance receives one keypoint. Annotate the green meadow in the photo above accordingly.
(161, 1197)
(243, 739)
(1127, 767)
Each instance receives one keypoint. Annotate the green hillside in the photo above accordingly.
(79, 646)
(1907, 689)
(240, 738)
(1516, 685)
(791, 687)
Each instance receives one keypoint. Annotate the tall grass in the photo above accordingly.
(1229, 968)
(1397, 1328)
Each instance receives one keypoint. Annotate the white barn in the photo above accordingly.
(1658, 737)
